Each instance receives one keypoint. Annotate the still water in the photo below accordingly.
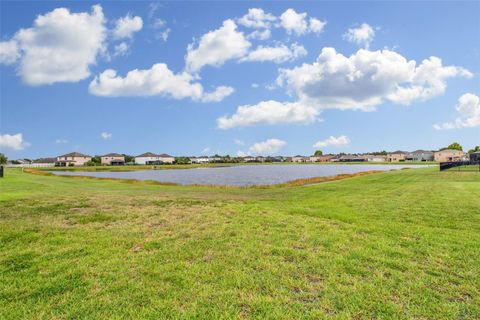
(243, 175)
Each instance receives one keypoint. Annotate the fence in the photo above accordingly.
(30, 165)
(460, 166)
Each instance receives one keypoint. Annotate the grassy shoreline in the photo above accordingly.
(401, 244)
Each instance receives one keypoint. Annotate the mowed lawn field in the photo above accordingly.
(394, 245)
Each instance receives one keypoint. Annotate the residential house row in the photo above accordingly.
(150, 158)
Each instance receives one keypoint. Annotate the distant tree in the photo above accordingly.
(89, 163)
(128, 158)
(3, 158)
(318, 153)
(182, 160)
(96, 161)
(454, 146)
(476, 149)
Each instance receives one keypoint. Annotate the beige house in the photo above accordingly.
(72, 159)
(112, 159)
(299, 158)
(322, 158)
(397, 156)
(152, 158)
(448, 155)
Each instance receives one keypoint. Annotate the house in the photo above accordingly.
(375, 158)
(397, 156)
(352, 158)
(44, 162)
(420, 155)
(276, 159)
(260, 159)
(72, 159)
(200, 160)
(112, 159)
(448, 155)
(149, 158)
(475, 157)
(249, 159)
(322, 158)
(299, 158)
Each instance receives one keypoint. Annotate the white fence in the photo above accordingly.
(30, 165)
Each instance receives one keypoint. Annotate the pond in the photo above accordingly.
(242, 175)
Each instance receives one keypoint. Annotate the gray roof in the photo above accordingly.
(147, 154)
(75, 154)
(45, 160)
(113, 155)
(421, 151)
(150, 154)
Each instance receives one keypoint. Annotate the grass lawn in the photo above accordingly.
(395, 245)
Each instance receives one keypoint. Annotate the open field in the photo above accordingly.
(401, 244)
(212, 165)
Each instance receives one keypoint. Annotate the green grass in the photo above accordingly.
(470, 167)
(395, 245)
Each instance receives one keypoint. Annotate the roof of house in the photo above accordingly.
(147, 154)
(45, 160)
(150, 154)
(75, 154)
(449, 150)
(422, 151)
(113, 155)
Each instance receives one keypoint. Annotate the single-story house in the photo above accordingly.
(321, 158)
(397, 156)
(200, 160)
(72, 159)
(352, 158)
(299, 158)
(260, 159)
(113, 159)
(375, 158)
(448, 155)
(249, 159)
(420, 155)
(152, 158)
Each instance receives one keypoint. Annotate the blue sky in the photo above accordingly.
(344, 76)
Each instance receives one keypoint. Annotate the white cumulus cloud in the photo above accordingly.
(333, 141)
(298, 23)
(59, 47)
(277, 54)
(269, 112)
(359, 82)
(121, 49)
(125, 27)
(13, 141)
(106, 136)
(260, 34)
(366, 78)
(216, 47)
(361, 35)
(257, 18)
(158, 80)
(468, 107)
(267, 147)
(9, 52)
